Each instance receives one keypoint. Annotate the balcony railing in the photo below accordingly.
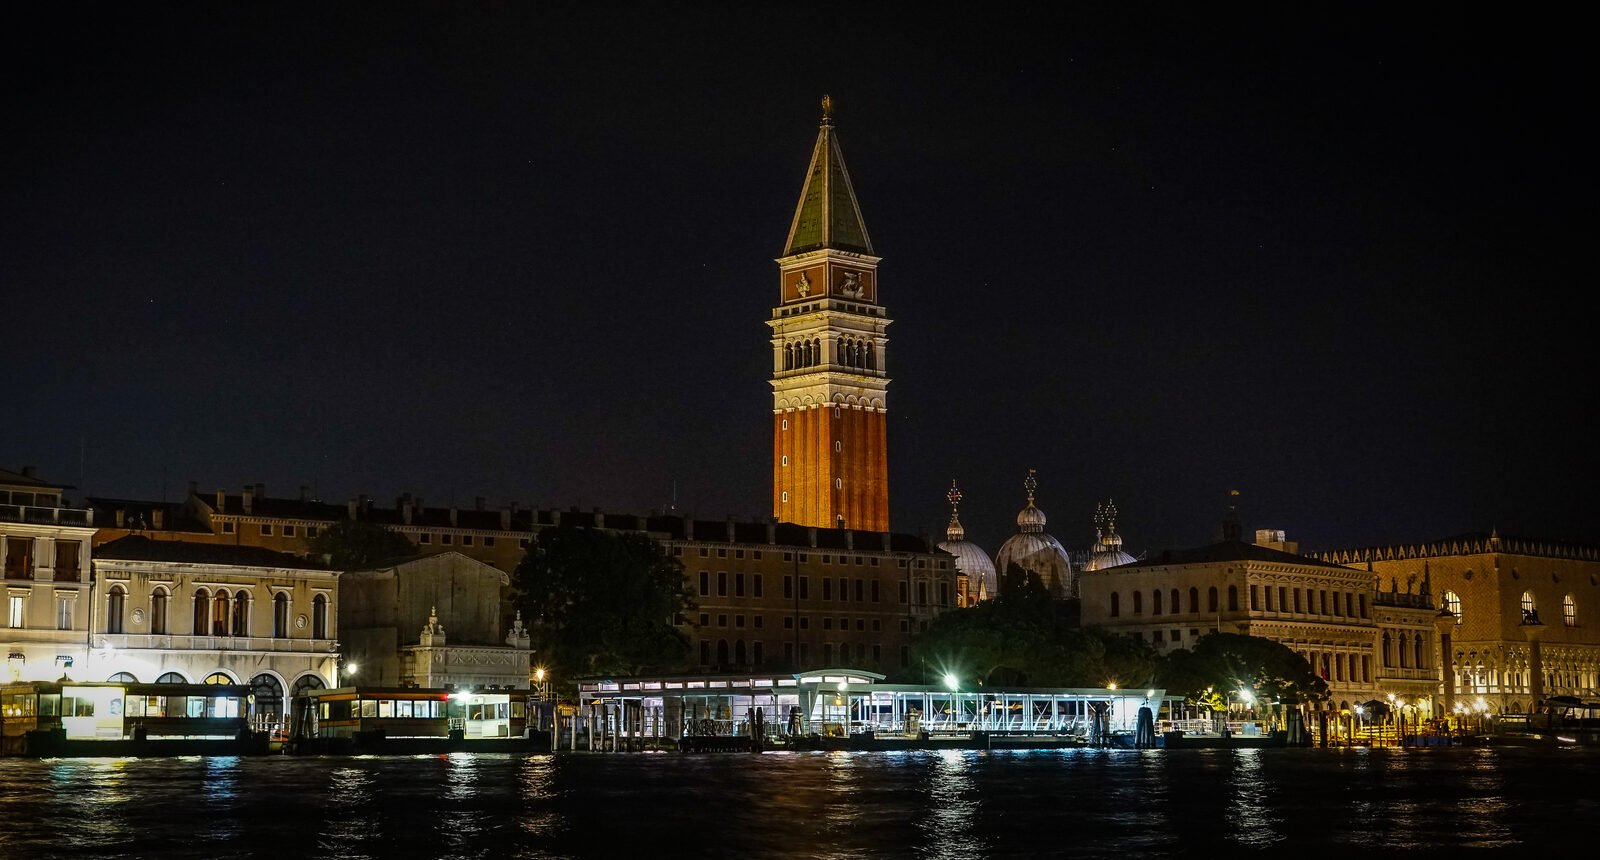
(178, 642)
(46, 516)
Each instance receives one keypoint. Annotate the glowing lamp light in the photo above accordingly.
(350, 668)
(1111, 685)
(951, 681)
(538, 674)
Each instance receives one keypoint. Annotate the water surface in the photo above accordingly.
(1077, 803)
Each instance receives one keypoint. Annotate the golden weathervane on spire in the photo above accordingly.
(954, 496)
(1031, 484)
(827, 110)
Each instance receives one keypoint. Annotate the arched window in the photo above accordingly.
(280, 615)
(1155, 601)
(1569, 611)
(241, 614)
(1388, 653)
(788, 356)
(1116, 604)
(1233, 598)
(158, 611)
(722, 652)
(269, 695)
(1324, 666)
(116, 598)
(1176, 605)
(319, 617)
(1452, 602)
(218, 678)
(1416, 651)
(871, 361)
(171, 678)
(1405, 661)
(1138, 602)
(1194, 600)
(219, 614)
(738, 652)
(202, 612)
(1527, 603)
(123, 678)
(1211, 599)
(306, 682)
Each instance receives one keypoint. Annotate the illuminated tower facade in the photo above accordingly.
(829, 369)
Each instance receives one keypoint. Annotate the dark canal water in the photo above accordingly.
(1074, 803)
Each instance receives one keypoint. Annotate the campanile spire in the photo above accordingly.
(829, 378)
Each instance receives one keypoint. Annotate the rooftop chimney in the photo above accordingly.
(27, 471)
(599, 518)
(452, 515)
(352, 505)
(158, 517)
(505, 519)
(222, 501)
(248, 498)
(121, 516)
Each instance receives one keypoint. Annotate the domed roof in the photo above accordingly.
(971, 561)
(1035, 551)
(1107, 550)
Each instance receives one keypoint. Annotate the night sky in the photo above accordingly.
(1330, 260)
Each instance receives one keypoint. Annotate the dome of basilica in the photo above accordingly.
(972, 563)
(1035, 551)
(1107, 550)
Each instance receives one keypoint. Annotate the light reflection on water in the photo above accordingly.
(948, 804)
(1251, 820)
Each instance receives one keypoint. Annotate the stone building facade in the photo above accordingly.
(1367, 645)
(432, 621)
(1525, 612)
(183, 612)
(45, 556)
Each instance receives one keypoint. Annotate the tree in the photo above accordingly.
(603, 603)
(1023, 637)
(351, 544)
(1221, 662)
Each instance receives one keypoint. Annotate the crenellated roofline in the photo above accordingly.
(1470, 544)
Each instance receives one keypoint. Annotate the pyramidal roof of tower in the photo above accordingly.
(828, 215)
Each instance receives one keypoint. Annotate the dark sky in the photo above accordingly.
(1329, 259)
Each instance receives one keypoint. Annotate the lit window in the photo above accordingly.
(1452, 602)
(1569, 611)
(1527, 603)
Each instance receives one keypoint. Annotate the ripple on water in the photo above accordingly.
(951, 804)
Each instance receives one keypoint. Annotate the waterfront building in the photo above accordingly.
(45, 553)
(780, 596)
(1522, 630)
(189, 613)
(829, 358)
(433, 621)
(975, 575)
(1366, 643)
(1035, 551)
(768, 593)
(860, 708)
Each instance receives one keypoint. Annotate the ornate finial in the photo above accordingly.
(827, 110)
(954, 532)
(1031, 484)
(1111, 517)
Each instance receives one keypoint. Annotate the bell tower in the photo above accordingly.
(829, 368)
